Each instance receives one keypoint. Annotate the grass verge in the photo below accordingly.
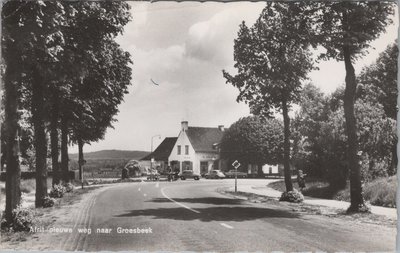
(379, 192)
(303, 208)
(44, 217)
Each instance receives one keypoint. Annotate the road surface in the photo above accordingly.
(193, 216)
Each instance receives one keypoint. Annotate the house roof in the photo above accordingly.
(204, 139)
(162, 152)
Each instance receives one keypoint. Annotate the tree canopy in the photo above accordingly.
(253, 140)
(272, 62)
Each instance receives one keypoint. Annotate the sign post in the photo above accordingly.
(236, 164)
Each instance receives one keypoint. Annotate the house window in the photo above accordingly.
(179, 149)
(186, 149)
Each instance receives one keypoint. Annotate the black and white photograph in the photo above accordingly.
(162, 126)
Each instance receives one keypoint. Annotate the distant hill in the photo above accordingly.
(112, 154)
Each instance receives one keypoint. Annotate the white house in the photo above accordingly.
(197, 149)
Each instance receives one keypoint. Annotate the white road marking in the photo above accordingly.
(145, 194)
(226, 225)
(157, 185)
(139, 189)
(176, 202)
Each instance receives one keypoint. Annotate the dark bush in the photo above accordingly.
(22, 220)
(57, 191)
(48, 202)
(381, 192)
(292, 196)
(69, 187)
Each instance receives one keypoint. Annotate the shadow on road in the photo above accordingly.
(212, 213)
(208, 200)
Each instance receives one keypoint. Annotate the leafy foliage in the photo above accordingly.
(48, 201)
(345, 30)
(252, 140)
(292, 196)
(378, 81)
(272, 62)
(57, 191)
(69, 187)
(320, 138)
(22, 220)
(306, 130)
(63, 53)
(270, 59)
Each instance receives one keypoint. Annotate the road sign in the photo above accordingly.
(236, 164)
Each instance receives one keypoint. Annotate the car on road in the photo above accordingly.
(231, 174)
(217, 174)
(189, 174)
(153, 175)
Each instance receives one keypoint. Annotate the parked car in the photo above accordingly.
(215, 174)
(232, 173)
(153, 175)
(189, 174)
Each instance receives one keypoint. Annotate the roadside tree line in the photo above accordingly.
(64, 77)
(273, 58)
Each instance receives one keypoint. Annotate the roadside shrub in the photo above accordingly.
(69, 187)
(292, 196)
(57, 191)
(22, 220)
(343, 195)
(48, 201)
(381, 192)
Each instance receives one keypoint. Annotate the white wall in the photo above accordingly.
(204, 157)
(265, 168)
(183, 140)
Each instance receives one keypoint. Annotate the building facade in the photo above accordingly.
(197, 149)
(159, 158)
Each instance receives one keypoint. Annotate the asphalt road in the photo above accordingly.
(193, 216)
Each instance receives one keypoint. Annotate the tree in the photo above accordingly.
(272, 62)
(89, 47)
(35, 40)
(253, 140)
(101, 94)
(378, 82)
(345, 30)
(11, 60)
(313, 112)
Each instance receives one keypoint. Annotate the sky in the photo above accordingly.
(183, 47)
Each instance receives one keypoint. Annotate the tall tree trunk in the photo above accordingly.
(64, 149)
(260, 172)
(54, 140)
(80, 159)
(357, 200)
(13, 171)
(286, 147)
(40, 142)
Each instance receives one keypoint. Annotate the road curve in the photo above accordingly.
(193, 216)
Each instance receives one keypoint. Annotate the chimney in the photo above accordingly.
(184, 125)
(221, 128)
